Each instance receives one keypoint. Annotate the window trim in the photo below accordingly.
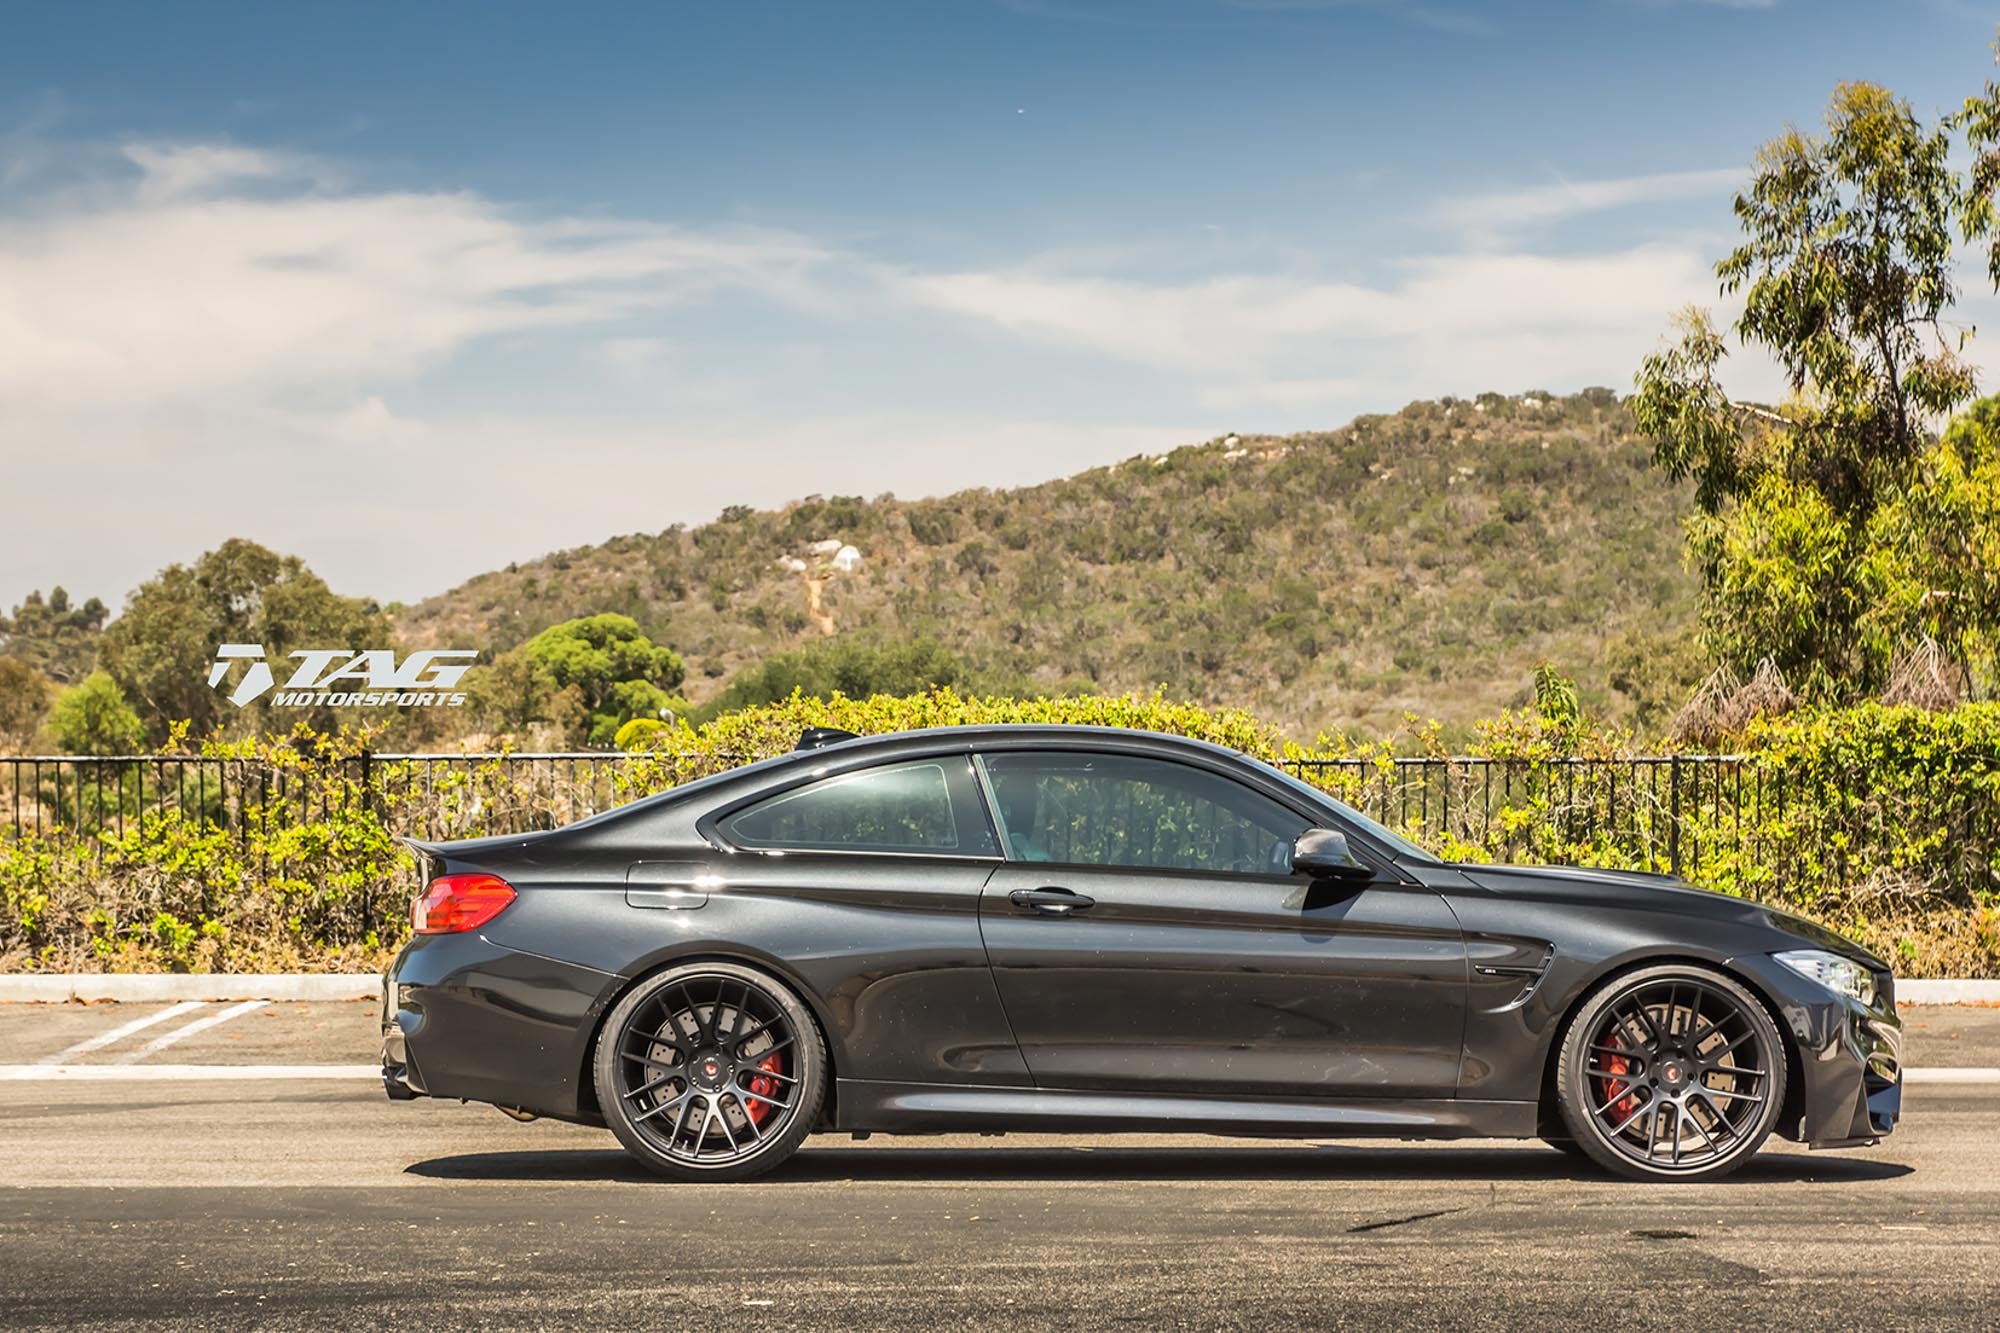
(1386, 869)
(970, 816)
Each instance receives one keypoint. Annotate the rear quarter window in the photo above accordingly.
(912, 807)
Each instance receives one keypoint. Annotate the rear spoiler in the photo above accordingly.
(466, 849)
(430, 855)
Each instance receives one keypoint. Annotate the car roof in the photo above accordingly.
(985, 733)
(917, 742)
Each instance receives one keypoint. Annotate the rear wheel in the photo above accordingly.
(1672, 1072)
(710, 1071)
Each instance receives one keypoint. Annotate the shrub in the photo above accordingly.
(92, 717)
(1880, 822)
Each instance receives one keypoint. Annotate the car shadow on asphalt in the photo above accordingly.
(1099, 1164)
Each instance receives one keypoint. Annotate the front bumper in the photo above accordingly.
(464, 1017)
(1847, 1078)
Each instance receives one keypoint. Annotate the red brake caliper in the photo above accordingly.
(1617, 1064)
(760, 1111)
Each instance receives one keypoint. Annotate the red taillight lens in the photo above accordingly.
(459, 902)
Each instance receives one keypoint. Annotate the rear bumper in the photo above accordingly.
(464, 1017)
(1847, 1078)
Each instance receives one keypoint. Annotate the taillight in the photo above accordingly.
(459, 902)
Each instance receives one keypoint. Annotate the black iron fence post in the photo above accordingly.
(1674, 815)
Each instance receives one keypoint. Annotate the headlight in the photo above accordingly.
(1842, 976)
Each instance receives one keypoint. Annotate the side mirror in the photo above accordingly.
(1322, 853)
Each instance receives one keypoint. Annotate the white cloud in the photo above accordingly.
(1238, 331)
(638, 357)
(220, 269)
(215, 340)
(1538, 205)
(181, 171)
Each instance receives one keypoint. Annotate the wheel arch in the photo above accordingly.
(1790, 1109)
(586, 1085)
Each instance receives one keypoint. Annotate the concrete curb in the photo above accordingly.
(60, 987)
(1947, 992)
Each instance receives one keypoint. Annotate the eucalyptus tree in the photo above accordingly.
(1816, 546)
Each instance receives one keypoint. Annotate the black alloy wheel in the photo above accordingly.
(710, 1071)
(1672, 1072)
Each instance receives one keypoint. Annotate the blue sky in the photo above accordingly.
(414, 291)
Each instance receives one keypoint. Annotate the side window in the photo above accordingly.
(928, 806)
(1113, 810)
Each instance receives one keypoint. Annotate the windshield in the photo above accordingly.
(1404, 849)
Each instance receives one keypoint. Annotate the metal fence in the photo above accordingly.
(417, 794)
(1660, 809)
(1657, 810)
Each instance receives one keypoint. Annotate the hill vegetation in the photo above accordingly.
(1422, 561)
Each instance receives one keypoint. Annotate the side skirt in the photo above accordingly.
(934, 1108)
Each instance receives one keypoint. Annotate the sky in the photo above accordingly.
(415, 291)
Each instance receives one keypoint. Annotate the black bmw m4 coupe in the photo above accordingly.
(1074, 929)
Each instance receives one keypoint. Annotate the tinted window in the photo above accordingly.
(1112, 810)
(903, 808)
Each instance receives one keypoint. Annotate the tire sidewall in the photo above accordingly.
(1574, 1097)
(812, 1066)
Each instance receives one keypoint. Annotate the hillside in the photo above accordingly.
(1421, 561)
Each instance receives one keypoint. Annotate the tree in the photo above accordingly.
(1931, 567)
(92, 717)
(24, 701)
(512, 692)
(160, 650)
(1846, 273)
(855, 667)
(57, 639)
(590, 676)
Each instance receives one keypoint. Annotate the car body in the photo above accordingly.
(909, 892)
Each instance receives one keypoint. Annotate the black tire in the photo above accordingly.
(710, 1071)
(1671, 1072)
(1568, 1148)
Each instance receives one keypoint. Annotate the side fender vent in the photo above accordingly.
(1515, 973)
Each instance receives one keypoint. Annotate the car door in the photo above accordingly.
(867, 884)
(1146, 935)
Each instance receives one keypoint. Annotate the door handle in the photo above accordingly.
(1050, 901)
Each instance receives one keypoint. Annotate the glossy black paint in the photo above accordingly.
(972, 992)
(1259, 986)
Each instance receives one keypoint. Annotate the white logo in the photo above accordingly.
(424, 680)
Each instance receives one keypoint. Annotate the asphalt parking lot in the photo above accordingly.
(143, 1192)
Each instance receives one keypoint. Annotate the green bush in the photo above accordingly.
(92, 717)
(1880, 822)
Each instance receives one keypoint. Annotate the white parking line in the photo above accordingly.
(181, 1073)
(119, 1033)
(166, 1039)
(1974, 1075)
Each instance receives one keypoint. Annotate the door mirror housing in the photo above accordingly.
(1323, 854)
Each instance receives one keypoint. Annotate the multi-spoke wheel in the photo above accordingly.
(710, 1071)
(1673, 1072)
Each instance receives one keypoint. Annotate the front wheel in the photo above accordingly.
(1673, 1072)
(710, 1071)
